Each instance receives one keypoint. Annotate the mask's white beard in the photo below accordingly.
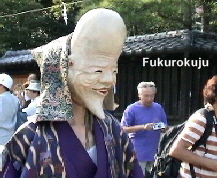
(96, 108)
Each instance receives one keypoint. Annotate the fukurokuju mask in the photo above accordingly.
(81, 67)
(95, 48)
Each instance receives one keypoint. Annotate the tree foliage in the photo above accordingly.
(153, 16)
(32, 29)
(36, 28)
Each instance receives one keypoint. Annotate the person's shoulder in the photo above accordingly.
(195, 120)
(3, 95)
(26, 130)
(157, 105)
(109, 118)
(37, 100)
(113, 124)
(2, 98)
(6, 96)
(28, 125)
(16, 99)
(19, 144)
(197, 117)
(133, 106)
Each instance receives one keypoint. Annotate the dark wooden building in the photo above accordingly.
(179, 86)
(171, 59)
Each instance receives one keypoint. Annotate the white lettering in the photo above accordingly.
(180, 63)
(194, 63)
(145, 61)
(186, 62)
(153, 63)
(173, 63)
(167, 63)
(199, 66)
(205, 64)
(159, 62)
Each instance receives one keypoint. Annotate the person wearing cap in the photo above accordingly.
(71, 136)
(8, 109)
(33, 92)
(24, 99)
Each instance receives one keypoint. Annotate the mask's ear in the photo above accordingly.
(70, 63)
(108, 102)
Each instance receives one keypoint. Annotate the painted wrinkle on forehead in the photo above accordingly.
(82, 58)
(101, 56)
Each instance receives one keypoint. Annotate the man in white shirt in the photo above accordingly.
(8, 109)
(33, 92)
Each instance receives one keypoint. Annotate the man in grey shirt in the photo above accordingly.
(8, 109)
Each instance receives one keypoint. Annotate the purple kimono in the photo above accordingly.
(51, 149)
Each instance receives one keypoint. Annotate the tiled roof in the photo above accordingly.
(170, 42)
(153, 44)
(17, 57)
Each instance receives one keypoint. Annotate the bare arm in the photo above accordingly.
(135, 128)
(180, 151)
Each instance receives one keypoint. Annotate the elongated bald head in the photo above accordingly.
(99, 31)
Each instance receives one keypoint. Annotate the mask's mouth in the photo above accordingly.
(101, 91)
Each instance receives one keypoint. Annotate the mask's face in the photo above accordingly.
(96, 45)
(90, 79)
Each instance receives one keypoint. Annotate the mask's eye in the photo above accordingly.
(98, 71)
(115, 70)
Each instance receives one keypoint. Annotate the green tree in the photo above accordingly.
(36, 28)
(153, 16)
(190, 13)
(32, 29)
(208, 15)
(138, 16)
